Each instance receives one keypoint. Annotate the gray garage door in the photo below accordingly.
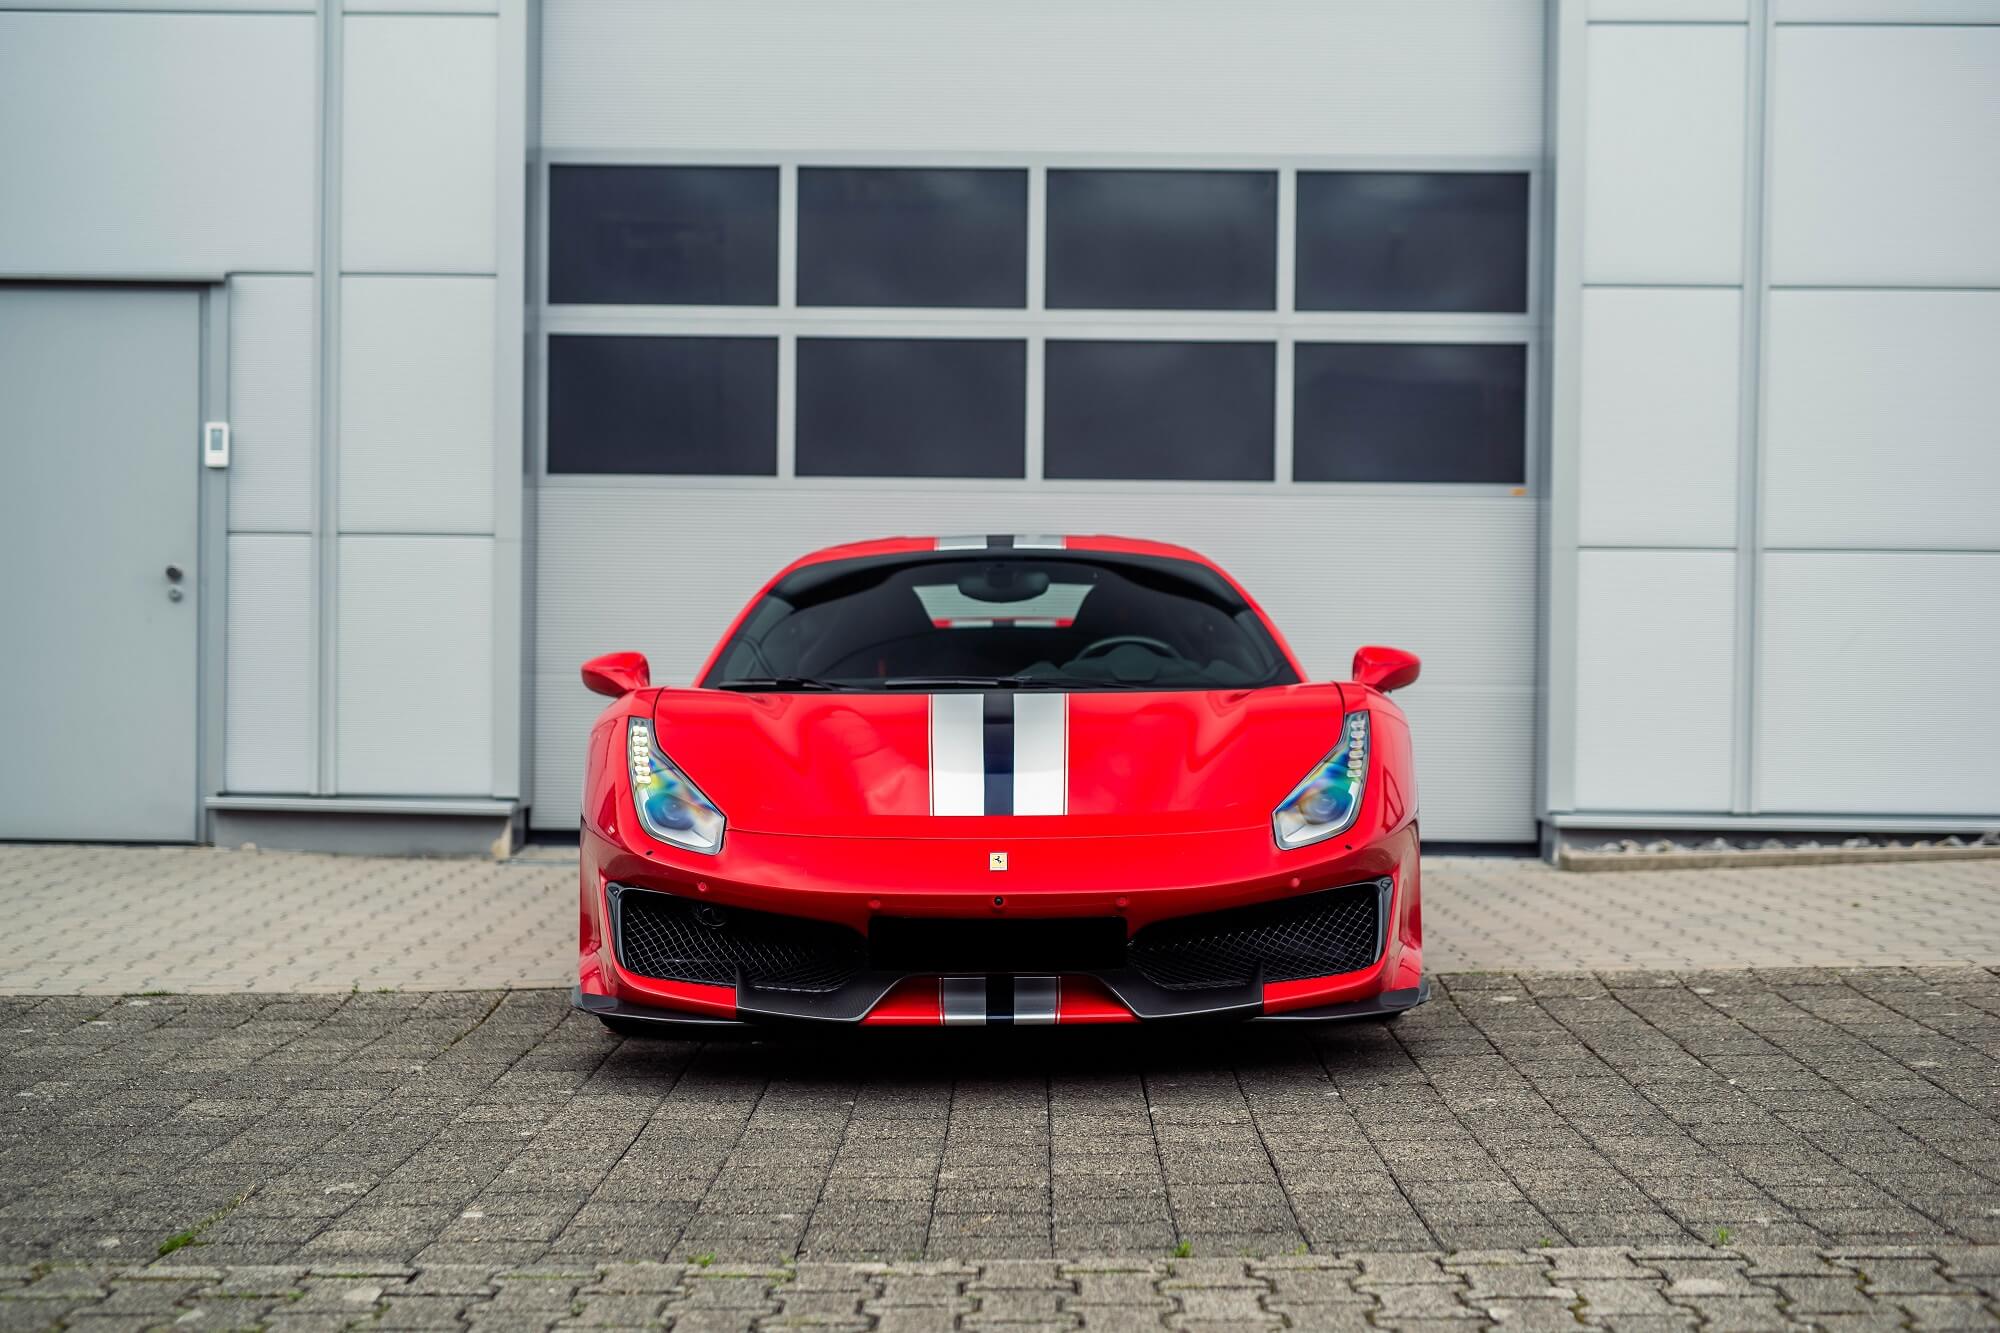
(99, 409)
(823, 271)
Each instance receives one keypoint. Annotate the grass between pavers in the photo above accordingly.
(192, 1236)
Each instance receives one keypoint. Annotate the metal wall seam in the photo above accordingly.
(1035, 450)
(326, 378)
(921, 322)
(1285, 303)
(788, 301)
(212, 537)
(1567, 76)
(510, 492)
(1750, 380)
(528, 350)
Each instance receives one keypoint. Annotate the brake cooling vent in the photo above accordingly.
(676, 939)
(1318, 935)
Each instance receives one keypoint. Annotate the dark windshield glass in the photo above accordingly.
(1016, 621)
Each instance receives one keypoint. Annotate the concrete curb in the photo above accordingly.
(1570, 858)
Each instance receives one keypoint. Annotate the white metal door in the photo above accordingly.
(99, 414)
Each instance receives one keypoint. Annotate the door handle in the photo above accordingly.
(173, 573)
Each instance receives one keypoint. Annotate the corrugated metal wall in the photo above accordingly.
(1449, 78)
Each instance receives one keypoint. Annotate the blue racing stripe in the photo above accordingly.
(999, 730)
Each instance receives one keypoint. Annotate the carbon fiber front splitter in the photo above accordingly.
(695, 1026)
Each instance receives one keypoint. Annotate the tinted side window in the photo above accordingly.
(912, 237)
(1410, 412)
(663, 235)
(663, 405)
(1162, 240)
(911, 407)
(1178, 411)
(1413, 240)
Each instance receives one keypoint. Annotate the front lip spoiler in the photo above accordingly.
(855, 998)
(695, 1026)
(1388, 1002)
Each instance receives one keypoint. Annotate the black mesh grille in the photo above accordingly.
(1314, 936)
(676, 939)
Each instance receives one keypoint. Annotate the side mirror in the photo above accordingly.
(617, 674)
(1385, 669)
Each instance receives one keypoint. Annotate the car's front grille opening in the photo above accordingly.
(1317, 935)
(996, 944)
(678, 939)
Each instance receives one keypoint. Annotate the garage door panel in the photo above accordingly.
(1255, 279)
(1364, 77)
(1450, 577)
(1475, 758)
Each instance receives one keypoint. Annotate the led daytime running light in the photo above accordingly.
(670, 807)
(1328, 801)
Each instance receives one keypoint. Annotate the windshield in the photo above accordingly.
(1067, 621)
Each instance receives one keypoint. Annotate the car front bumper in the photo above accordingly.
(690, 1026)
(669, 940)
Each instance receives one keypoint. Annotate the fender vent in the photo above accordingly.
(677, 939)
(1318, 935)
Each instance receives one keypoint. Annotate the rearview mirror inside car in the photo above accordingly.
(1002, 582)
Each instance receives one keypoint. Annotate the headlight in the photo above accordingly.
(671, 807)
(1330, 797)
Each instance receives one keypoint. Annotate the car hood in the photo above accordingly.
(946, 765)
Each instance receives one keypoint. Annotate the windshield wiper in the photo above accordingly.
(800, 683)
(1073, 684)
(967, 683)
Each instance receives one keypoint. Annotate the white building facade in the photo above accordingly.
(1631, 361)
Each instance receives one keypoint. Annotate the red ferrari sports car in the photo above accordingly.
(998, 780)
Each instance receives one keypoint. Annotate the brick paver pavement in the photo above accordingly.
(1788, 1108)
(1642, 1288)
(110, 920)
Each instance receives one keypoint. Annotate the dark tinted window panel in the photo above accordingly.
(1159, 411)
(663, 405)
(911, 407)
(1162, 240)
(1413, 240)
(912, 237)
(663, 235)
(1410, 412)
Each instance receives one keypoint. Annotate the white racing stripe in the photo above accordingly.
(1009, 759)
(962, 1001)
(1031, 541)
(1037, 1001)
(1041, 753)
(958, 754)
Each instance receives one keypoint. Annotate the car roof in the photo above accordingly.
(997, 543)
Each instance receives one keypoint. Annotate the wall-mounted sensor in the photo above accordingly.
(215, 444)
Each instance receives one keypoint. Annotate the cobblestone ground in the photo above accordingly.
(1642, 1288)
(1723, 1141)
(111, 920)
(1818, 1109)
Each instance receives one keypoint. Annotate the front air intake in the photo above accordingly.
(678, 939)
(1317, 935)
